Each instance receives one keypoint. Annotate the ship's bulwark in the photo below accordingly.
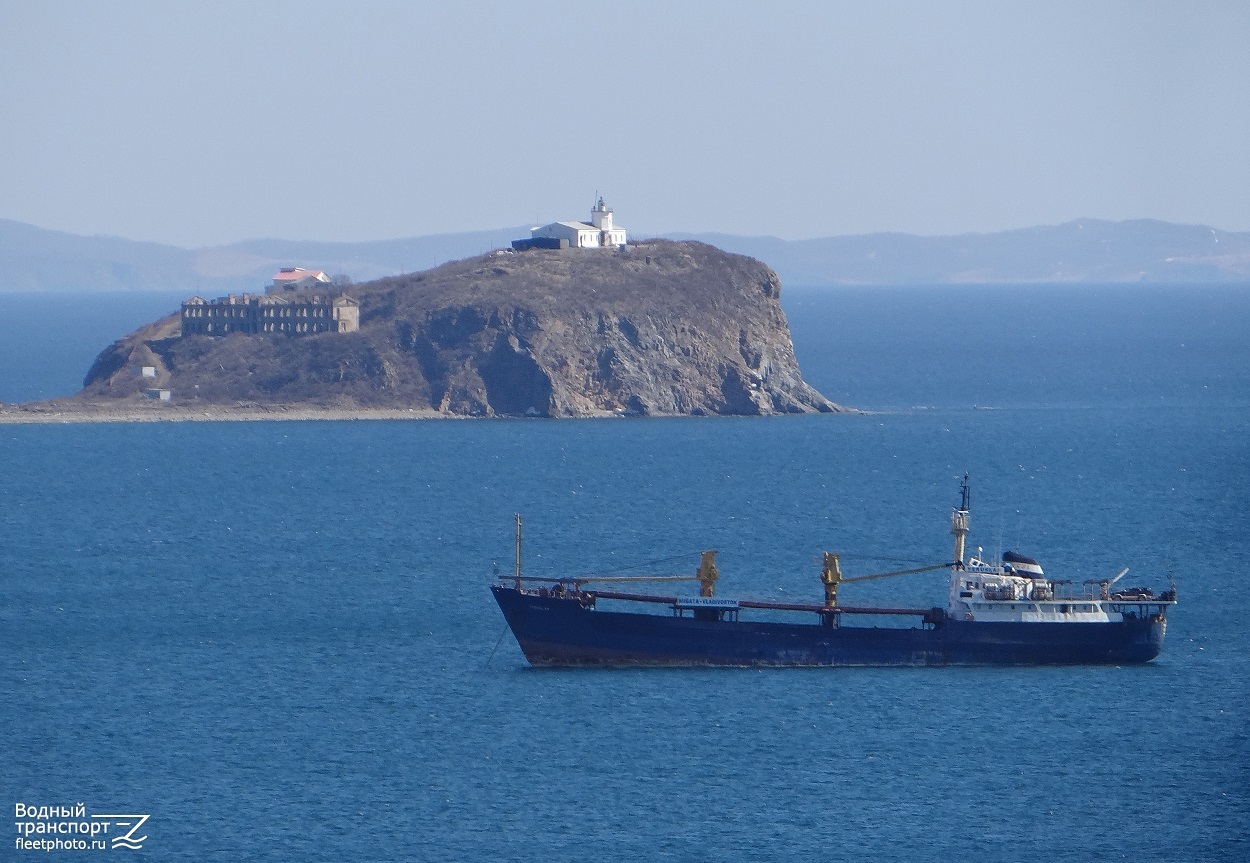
(560, 631)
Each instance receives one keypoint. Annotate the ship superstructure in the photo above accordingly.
(1016, 589)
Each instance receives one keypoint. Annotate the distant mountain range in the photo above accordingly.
(35, 259)
(1088, 250)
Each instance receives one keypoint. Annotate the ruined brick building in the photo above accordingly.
(269, 314)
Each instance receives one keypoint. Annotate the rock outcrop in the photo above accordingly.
(657, 329)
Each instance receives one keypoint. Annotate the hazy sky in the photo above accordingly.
(208, 122)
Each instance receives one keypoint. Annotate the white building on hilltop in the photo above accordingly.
(598, 233)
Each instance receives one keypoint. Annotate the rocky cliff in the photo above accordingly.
(659, 328)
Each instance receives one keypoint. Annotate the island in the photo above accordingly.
(654, 328)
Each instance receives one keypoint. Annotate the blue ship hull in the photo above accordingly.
(563, 631)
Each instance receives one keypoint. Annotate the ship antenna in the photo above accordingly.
(518, 550)
(960, 519)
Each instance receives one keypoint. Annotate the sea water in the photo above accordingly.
(276, 639)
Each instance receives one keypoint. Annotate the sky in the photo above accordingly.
(205, 123)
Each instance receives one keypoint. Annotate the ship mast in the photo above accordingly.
(518, 550)
(959, 521)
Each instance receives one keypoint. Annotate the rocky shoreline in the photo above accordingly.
(154, 412)
(62, 412)
(57, 411)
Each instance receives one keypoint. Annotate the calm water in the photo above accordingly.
(276, 639)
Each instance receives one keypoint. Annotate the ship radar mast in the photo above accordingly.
(959, 520)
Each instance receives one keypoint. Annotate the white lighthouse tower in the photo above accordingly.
(601, 216)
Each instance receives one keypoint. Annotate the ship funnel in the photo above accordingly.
(959, 520)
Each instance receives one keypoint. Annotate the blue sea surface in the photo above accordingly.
(277, 639)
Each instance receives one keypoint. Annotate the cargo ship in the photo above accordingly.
(997, 613)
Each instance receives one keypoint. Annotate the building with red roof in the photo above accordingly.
(294, 278)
